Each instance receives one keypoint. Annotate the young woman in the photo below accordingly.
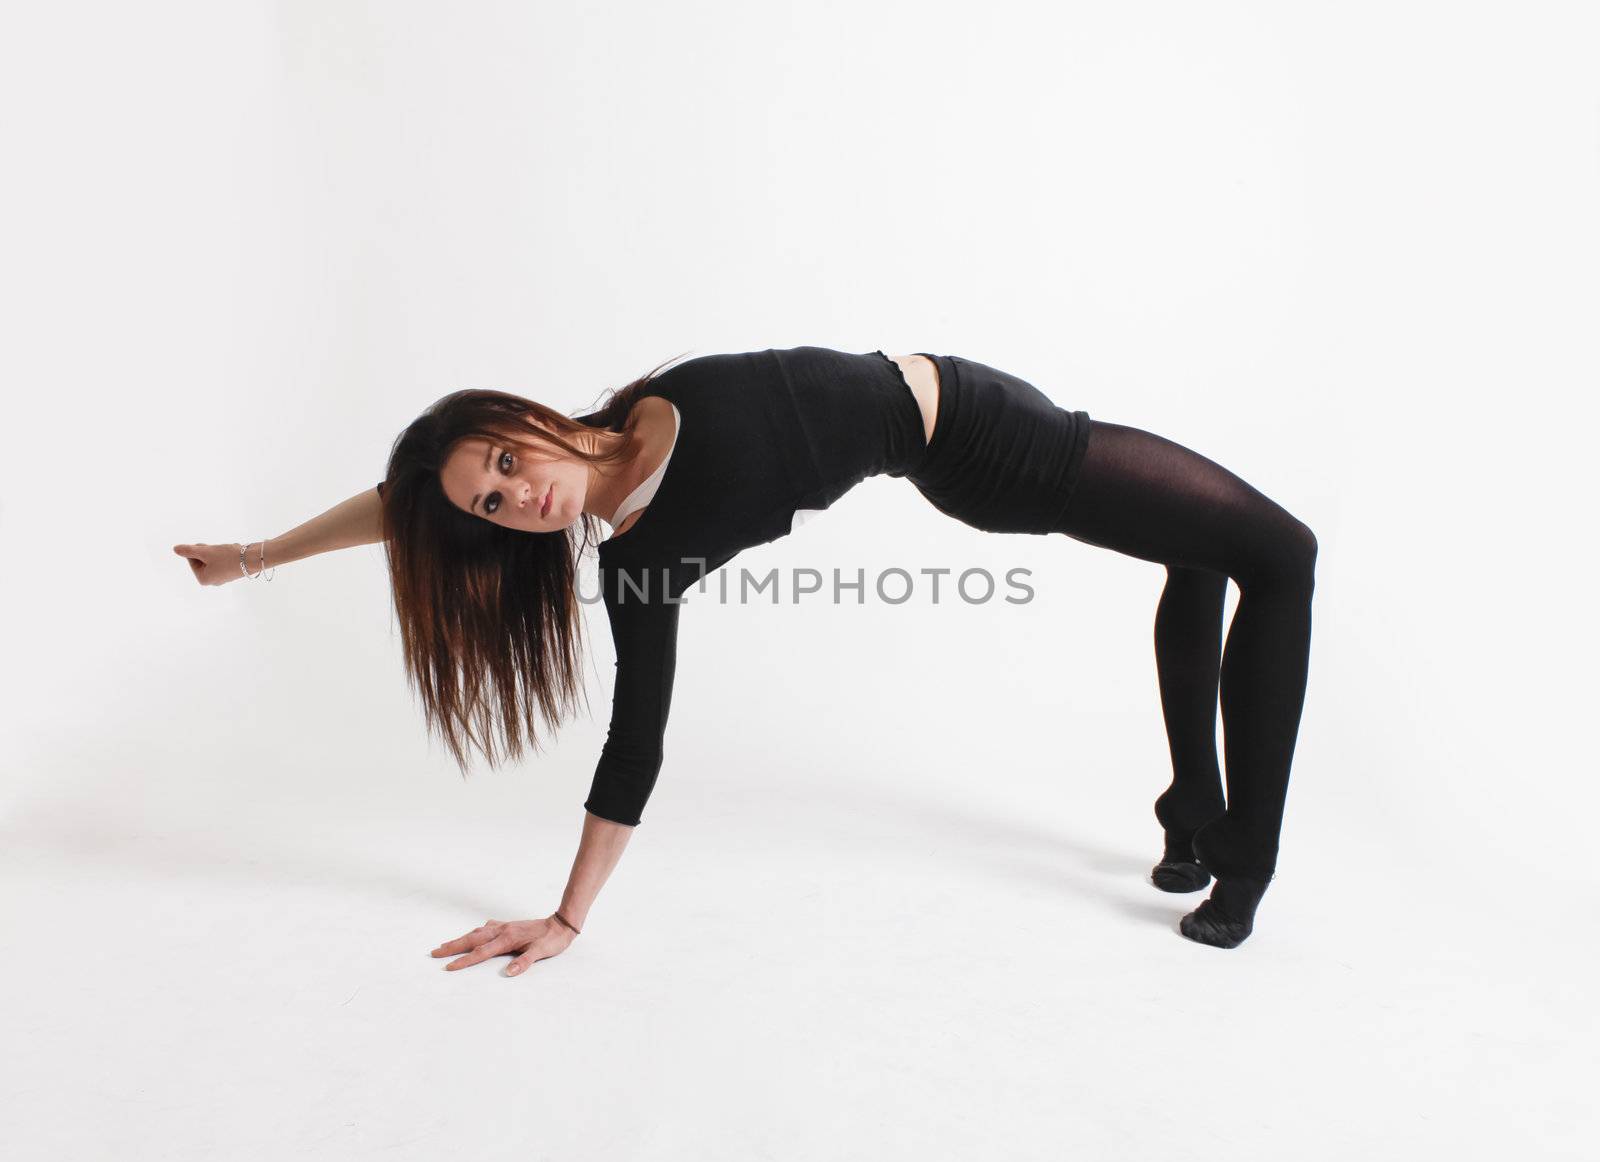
(486, 495)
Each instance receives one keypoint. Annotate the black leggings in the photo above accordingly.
(1148, 497)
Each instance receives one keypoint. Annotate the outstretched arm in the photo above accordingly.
(357, 521)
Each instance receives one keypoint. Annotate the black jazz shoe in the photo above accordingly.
(1227, 917)
(1178, 870)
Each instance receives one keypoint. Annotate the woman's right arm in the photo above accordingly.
(357, 521)
(646, 635)
(646, 639)
(599, 849)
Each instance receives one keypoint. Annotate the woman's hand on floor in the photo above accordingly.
(529, 940)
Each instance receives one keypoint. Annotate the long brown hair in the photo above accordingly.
(490, 621)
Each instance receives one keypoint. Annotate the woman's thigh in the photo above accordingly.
(1146, 496)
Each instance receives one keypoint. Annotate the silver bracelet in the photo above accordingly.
(263, 573)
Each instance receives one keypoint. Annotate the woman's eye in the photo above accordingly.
(491, 503)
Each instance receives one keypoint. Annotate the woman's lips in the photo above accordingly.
(544, 509)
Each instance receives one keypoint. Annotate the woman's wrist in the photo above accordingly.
(565, 923)
(253, 560)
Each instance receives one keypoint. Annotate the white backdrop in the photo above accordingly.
(888, 899)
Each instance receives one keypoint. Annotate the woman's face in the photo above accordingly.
(538, 492)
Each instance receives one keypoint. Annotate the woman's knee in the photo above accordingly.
(1297, 554)
(1305, 549)
(1282, 556)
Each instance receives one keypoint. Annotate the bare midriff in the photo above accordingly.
(922, 377)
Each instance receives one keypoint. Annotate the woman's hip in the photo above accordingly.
(1003, 457)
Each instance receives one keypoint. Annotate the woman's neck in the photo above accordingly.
(610, 484)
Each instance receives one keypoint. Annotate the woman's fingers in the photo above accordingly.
(528, 941)
(494, 947)
(529, 957)
(209, 562)
(471, 940)
(459, 944)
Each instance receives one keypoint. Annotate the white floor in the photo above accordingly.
(903, 960)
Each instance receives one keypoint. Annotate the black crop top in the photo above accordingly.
(762, 434)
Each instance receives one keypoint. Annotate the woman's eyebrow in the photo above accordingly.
(487, 455)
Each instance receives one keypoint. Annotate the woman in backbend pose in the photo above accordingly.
(486, 495)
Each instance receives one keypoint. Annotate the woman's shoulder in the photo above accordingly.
(656, 407)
